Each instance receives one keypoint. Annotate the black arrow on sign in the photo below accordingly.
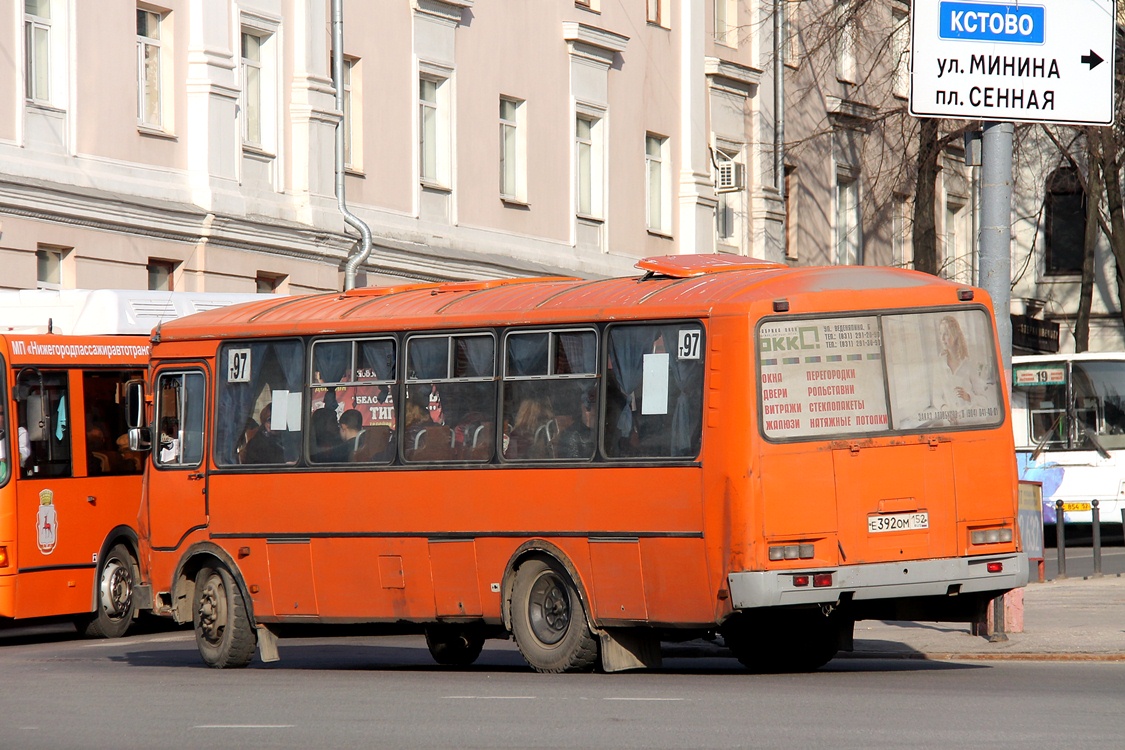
(1093, 59)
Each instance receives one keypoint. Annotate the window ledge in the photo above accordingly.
(355, 172)
(156, 133)
(513, 202)
(436, 187)
(589, 219)
(661, 234)
(257, 152)
(45, 107)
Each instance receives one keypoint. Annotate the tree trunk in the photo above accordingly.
(925, 193)
(1115, 205)
(1094, 147)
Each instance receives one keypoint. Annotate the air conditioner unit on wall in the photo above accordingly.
(728, 176)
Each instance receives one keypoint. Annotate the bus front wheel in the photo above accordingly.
(548, 620)
(223, 631)
(454, 645)
(116, 607)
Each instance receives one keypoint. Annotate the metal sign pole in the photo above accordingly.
(996, 230)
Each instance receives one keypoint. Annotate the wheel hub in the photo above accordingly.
(116, 589)
(549, 609)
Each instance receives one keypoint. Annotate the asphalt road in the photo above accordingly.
(152, 691)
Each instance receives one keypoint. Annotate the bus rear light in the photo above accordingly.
(996, 567)
(3, 557)
(991, 536)
(820, 580)
(801, 580)
(791, 552)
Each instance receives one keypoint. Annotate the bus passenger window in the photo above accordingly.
(44, 421)
(261, 388)
(654, 391)
(107, 439)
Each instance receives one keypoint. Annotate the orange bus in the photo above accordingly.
(719, 445)
(70, 486)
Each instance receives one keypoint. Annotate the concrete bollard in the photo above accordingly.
(1060, 538)
(1096, 533)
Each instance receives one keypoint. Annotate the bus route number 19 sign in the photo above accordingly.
(1040, 61)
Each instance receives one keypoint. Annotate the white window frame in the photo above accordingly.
(589, 178)
(846, 41)
(37, 54)
(150, 84)
(55, 258)
(848, 246)
(726, 22)
(352, 114)
(266, 31)
(790, 47)
(902, 250)
(900, 52)
(658, 184)
(435, 131)
(731, 204)
(513, 150)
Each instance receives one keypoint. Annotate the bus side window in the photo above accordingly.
(44, 414)
(107, 439)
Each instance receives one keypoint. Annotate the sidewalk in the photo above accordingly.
(1070, 619)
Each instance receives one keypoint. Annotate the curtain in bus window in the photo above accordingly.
(377, 357)
(580, 349)
(260, 406)
(627, 347)
(527, 354)
(428, 358)
(687, 392)
(331, 361)
(941, 369)
(475, 356)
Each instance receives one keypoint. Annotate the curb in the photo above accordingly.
(977, 656)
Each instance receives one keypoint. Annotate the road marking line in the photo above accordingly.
(491, 697)
(244, 726)
(642, 699)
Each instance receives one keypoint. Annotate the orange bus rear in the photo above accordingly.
(720, 446)
(69, 484)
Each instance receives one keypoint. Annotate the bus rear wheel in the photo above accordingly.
(454, 645)
(116, 607)
(223, 631)
(548, 620)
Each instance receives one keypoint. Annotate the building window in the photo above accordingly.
(900, 51)
(149, 105)
(791, 213)
(789, 47)
(433, 130)
(846, 41)
(513, 174)
(726, 22)
(902, 250)
(352, 114)
(589, 160)
(849, 240)
(658, 184)
(252, 89)
(37, 48)
(271, 283)
(654, 13)
(729, 193)
(49, 268)
(161, 275)
(957, 262)
(1065, 217)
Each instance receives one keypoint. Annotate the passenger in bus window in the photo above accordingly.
(328, 445)
(576, 440)
(363, 444)
(169, 440)
(263, 447)
(529, 436)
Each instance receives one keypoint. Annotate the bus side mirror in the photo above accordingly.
(140, 439)
(135, 404)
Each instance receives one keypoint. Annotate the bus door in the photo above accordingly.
(57, 510)
(178, 483)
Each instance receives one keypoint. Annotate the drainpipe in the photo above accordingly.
(778, 101)
(364, 247)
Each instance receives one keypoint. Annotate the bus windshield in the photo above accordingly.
(1080, 407)
(877, 373)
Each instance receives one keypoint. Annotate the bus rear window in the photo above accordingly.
(832, 377)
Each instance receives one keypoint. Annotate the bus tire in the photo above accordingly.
(549, 621)
(116, 607)
(454, 645)
(223, 632)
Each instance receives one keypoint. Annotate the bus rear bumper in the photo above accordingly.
(900, 580)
